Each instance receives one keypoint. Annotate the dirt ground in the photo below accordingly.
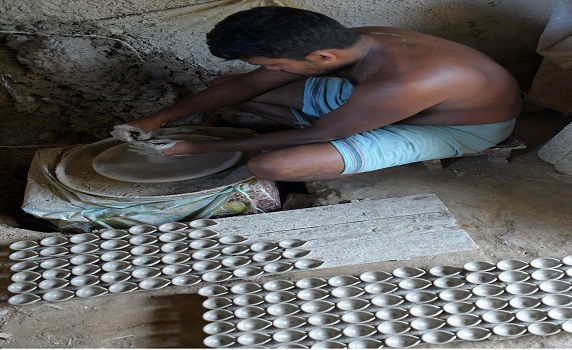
(518, 210)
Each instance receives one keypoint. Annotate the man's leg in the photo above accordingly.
(278, 114)
(320, 161)
(274, 105)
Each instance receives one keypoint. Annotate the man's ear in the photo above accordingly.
(323, 56)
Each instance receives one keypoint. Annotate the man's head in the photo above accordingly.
(277, 32)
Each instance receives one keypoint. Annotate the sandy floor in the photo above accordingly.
(519, 210)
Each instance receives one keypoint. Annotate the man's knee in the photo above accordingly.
(266, 167)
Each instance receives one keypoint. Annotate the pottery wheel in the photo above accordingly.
(120, 163)
(76, 172)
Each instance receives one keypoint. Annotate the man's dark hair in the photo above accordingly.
(277, 32)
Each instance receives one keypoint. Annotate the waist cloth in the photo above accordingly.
(394, 144)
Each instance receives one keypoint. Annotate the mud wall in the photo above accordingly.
(71, 69)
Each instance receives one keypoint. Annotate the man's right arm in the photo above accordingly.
(229, 92)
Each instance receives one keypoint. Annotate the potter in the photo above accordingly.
(350, 100)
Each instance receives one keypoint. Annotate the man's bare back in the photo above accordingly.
(465, 86)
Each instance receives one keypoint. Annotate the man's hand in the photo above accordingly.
(166, 147)
(185, 147)
(128, 133)
(136, 130)
(151, 146)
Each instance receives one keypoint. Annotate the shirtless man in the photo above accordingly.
(351, 100)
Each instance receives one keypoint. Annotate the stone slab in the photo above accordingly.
(558, 151)
(551, 88)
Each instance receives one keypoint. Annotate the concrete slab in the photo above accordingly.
(558, 151)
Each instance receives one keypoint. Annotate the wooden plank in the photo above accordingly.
(356, 252)
(332, 214)
(361, 232)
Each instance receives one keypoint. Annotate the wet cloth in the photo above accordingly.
(395, 144)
